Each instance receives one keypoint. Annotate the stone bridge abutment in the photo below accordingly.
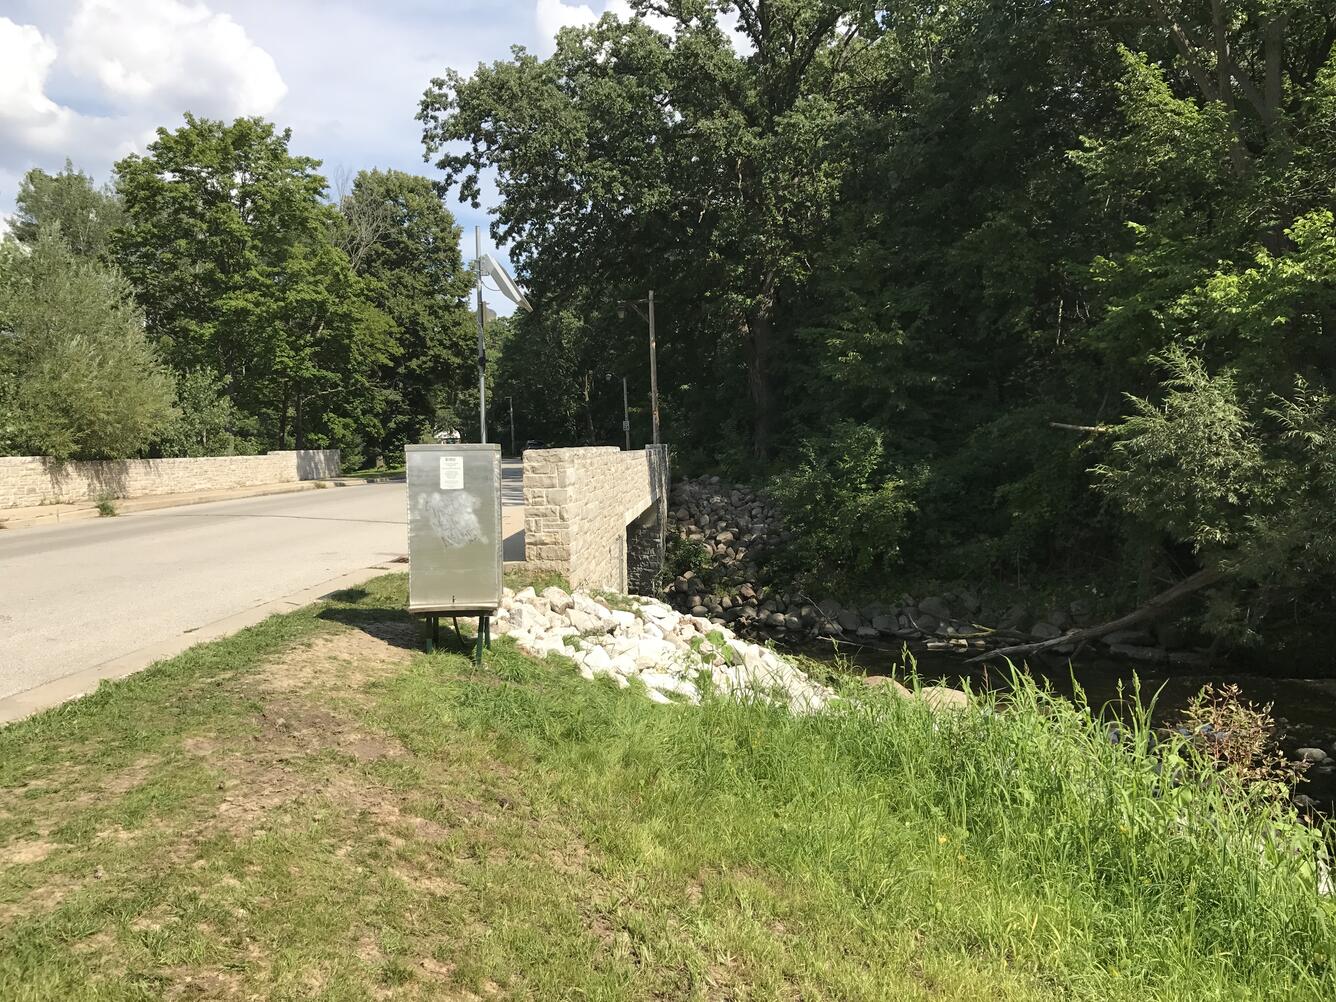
(597, 515)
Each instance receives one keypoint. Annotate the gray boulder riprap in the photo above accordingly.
(672, 654)
(731, 533)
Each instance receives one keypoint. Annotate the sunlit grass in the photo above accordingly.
(527, 834)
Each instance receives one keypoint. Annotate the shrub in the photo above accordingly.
(78, 378)
(846, 511)
(207, 423)
(1237, 740)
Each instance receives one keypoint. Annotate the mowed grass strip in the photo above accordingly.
(314, 808)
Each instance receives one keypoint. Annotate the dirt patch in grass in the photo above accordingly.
(128, 777)
(40, 899)
(306, 729)
(192, 983)
(25, 852)
(348, 660)
(285, 767)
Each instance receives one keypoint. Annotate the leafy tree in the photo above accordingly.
(630, 153)
(78, 378)
(230, 249)
(87, 214)
(207, 422)
(404, 245)
(1069, 264)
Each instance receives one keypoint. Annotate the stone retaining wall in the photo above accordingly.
(578, 504)
(28, 481)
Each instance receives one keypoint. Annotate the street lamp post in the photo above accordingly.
(507, 287)
(653, 371)
(511, 402)
(482, 343)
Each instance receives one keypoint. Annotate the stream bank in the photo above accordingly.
(722, 537)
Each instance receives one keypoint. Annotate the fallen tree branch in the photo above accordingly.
(1170, 596)
(1097, 429)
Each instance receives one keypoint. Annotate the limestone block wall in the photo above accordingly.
(27, 481)
(578, 504)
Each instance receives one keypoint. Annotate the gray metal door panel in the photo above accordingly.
(454, 527)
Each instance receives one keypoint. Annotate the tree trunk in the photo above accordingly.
(759, 335)
(589, 408)
(283, 422)
(298, 432)
(1188, 586)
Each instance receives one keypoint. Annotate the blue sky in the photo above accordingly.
(91, 79)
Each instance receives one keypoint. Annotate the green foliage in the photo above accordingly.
(980, 230)
(1191, 463)
(288, 322)
(404, 245)
(231, 253)
(846, 512)
(86, 214)
(78, 377)
(207, 422)
(682, 554)
(106, 506)
(631, 153)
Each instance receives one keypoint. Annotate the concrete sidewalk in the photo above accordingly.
(53, 514)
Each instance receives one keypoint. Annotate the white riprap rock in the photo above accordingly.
(671, 654)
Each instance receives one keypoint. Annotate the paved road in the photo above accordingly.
(106, 597)
(77, 596)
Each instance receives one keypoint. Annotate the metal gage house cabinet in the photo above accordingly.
(454, 535)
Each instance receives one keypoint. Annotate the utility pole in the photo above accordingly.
(511, 402)
(626, 416)
(653, 358)
(653, 370)
(482, 344)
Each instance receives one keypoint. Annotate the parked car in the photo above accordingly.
(534, 443)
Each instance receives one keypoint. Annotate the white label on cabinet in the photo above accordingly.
(452, 473)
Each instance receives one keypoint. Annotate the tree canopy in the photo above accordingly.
(78, 378)
(1069, 263)
(271, 315)
(87, 214)
(230, 248)
(404, 246)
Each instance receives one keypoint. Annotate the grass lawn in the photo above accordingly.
(384, 471)
(314, 808)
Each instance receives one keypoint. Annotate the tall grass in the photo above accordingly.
(1034, 834)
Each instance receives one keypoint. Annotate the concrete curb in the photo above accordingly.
(81, 683)
(131, 506)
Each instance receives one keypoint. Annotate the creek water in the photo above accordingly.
(1304, 708)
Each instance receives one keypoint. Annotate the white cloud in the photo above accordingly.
(553, 15)
(97, 76)
(171, 53)
(28, 118)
